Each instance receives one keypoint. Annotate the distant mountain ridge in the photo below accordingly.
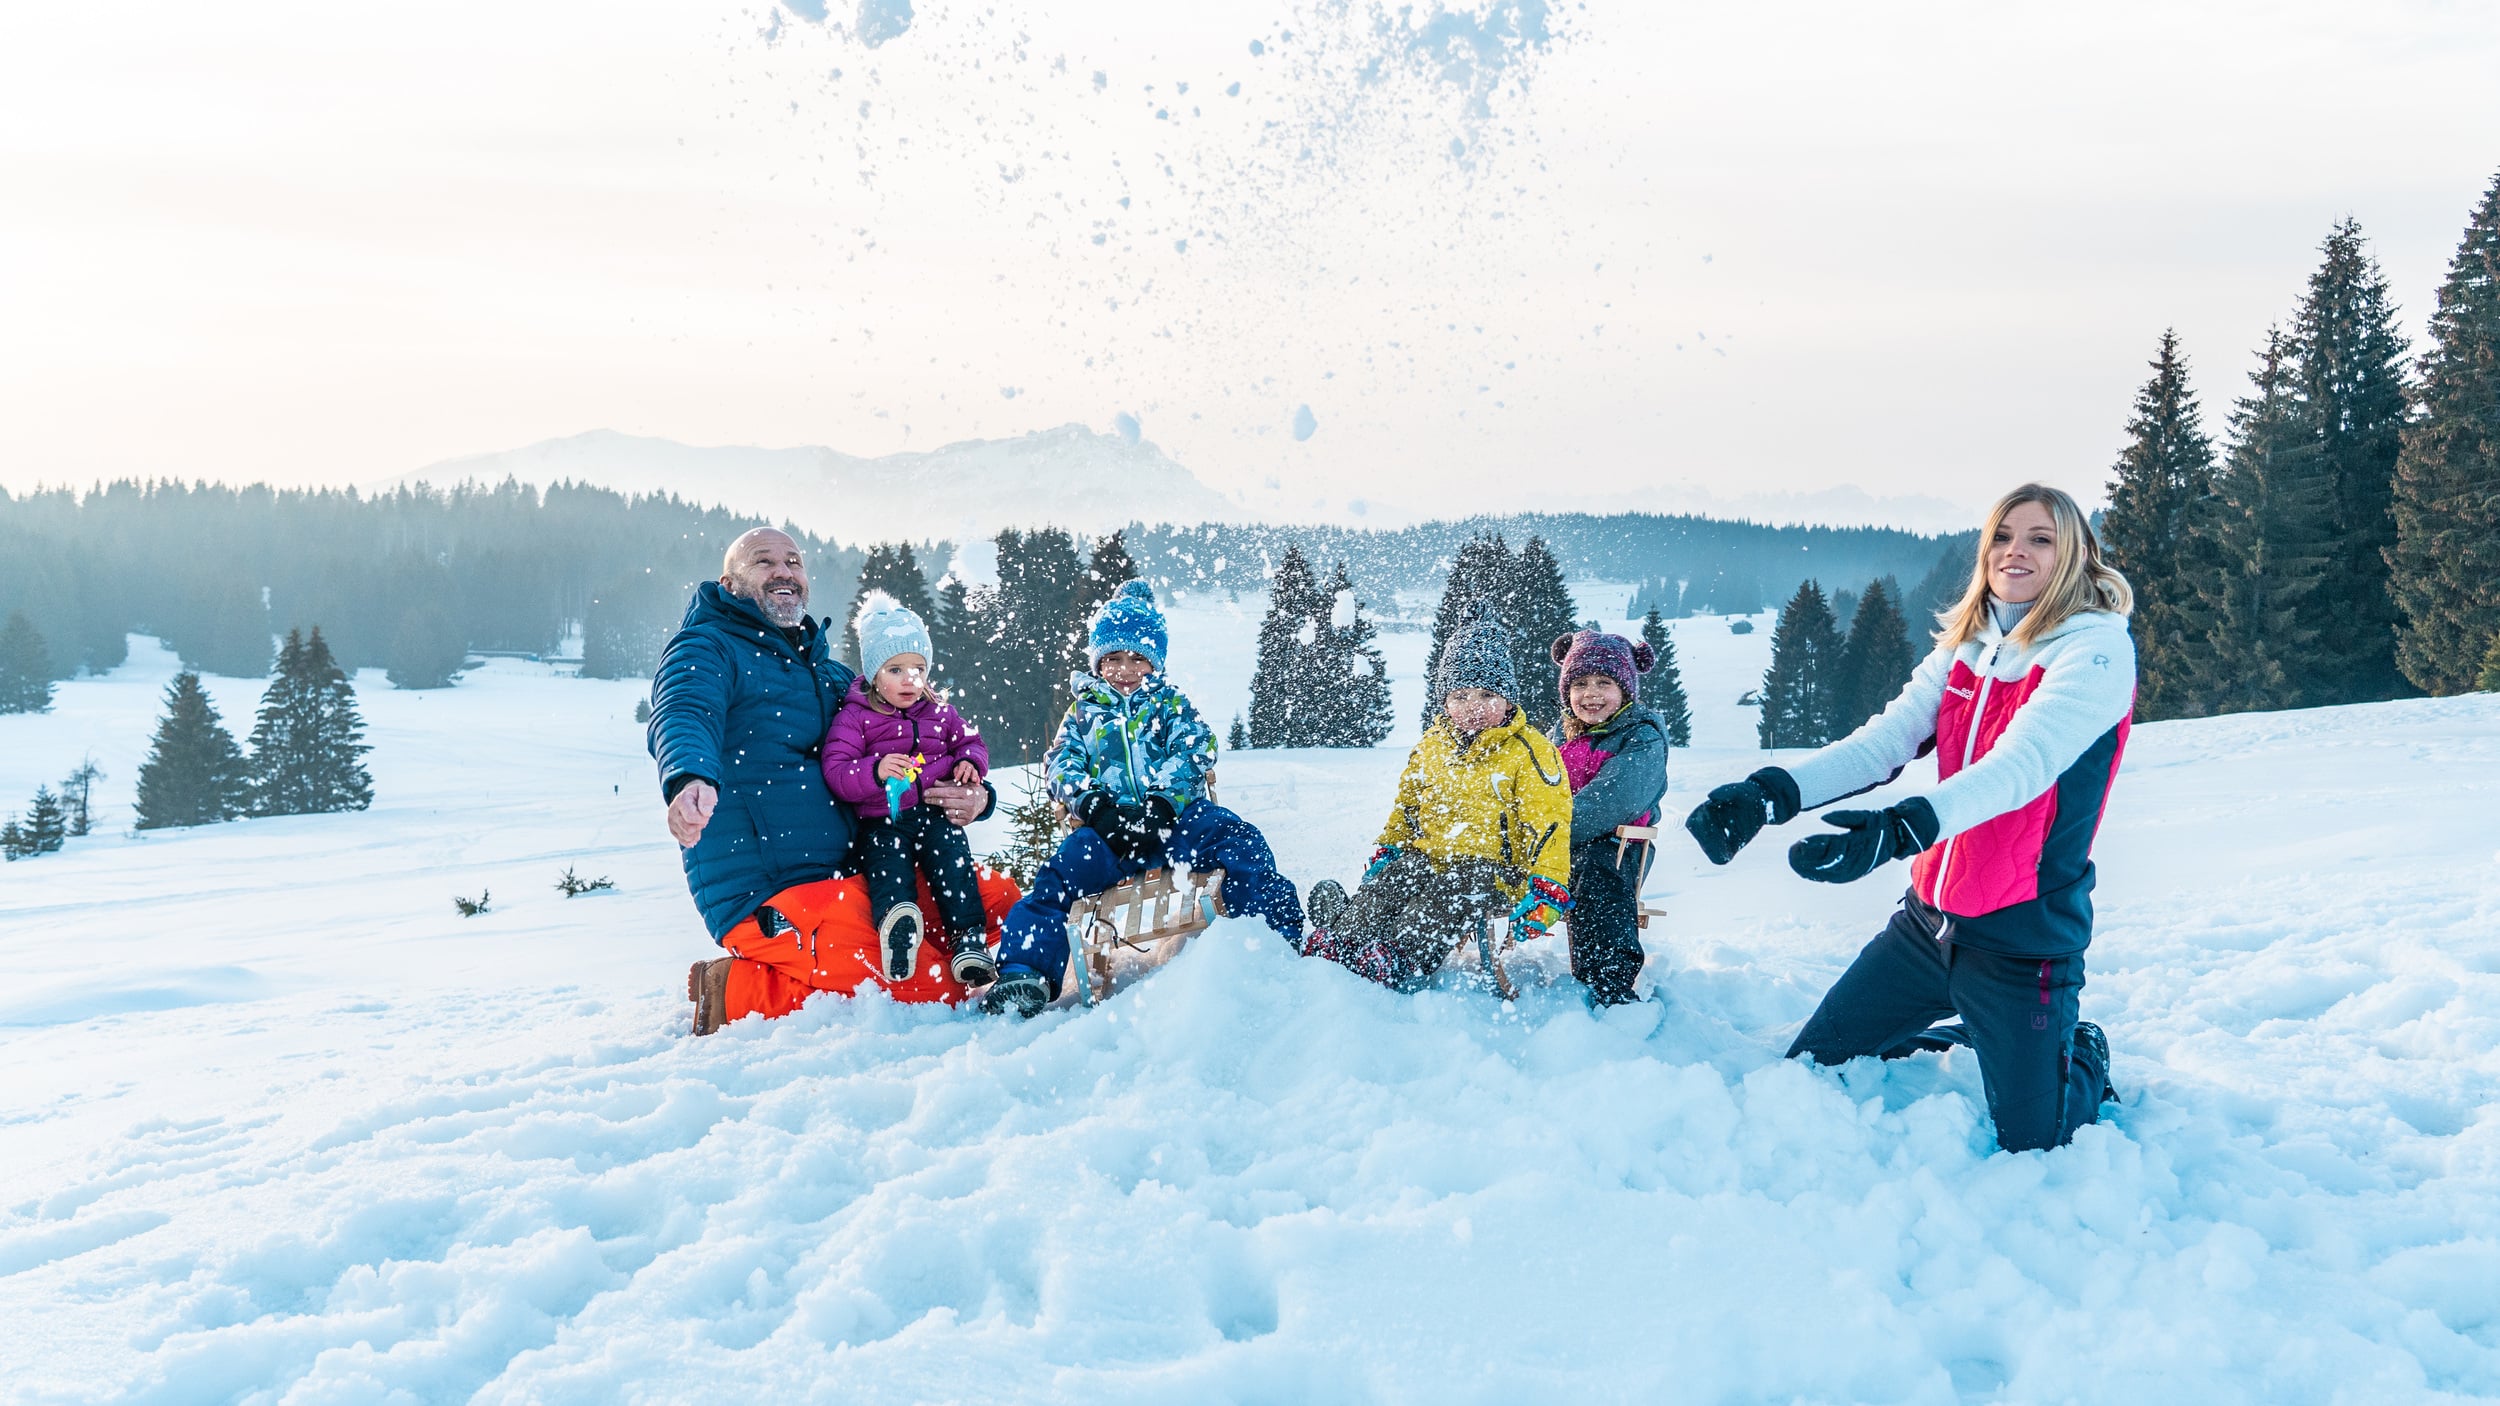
(1070, 476)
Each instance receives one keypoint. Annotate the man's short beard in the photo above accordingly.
(788, 613)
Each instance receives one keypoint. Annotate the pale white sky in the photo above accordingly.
(1922, 249)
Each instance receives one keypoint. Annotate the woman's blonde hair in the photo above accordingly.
(2081, 581)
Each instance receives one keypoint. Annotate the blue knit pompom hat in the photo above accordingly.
(888, 628)
(1129, 620)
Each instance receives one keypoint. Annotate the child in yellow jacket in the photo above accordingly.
(1482, 828)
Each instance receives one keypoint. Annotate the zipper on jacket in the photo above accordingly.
(1128, 742)
(1970, 749)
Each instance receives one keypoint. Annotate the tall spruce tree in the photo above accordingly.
(25, 667)
(1875, 660)
(956, 670)
(1797, 690)
(194, 774)
(308, 740)
(427, 649)
(2445, 565)
(1349, 679)
(1663, 689)
(2348, 366)
(1283, 711)
(2268, 530)
(1541, 612)
(2162, 478)
(1478, 584)
(1029, 636)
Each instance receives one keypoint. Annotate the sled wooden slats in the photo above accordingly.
(1646, 835)
(1134, 926)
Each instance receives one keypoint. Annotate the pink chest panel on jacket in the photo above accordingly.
(1995, 863)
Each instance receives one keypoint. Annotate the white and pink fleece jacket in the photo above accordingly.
(2027, 742)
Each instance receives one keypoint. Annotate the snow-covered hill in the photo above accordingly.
(1069, 476)
(275, 1124)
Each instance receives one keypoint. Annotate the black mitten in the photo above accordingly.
(1736, 812)
(1161, 815)
(1130, 833)
(1095, 810)
(1866, 840)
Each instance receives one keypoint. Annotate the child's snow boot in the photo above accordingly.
(898, 940)
(2091, 1041)
(1018, 989)
(973, 964)
(1326, 903)
(707, 985)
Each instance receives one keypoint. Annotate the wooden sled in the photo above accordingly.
(1494, 944)
(1135, 926)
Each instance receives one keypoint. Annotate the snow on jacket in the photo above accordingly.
(866, 731)
(2027, 742)
(1501, 795)
(1147, 743)
(741, 704)
(1618, 772)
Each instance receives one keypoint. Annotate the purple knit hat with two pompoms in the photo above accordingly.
(1593, 652)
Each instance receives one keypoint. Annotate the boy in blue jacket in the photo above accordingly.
(1131, 764)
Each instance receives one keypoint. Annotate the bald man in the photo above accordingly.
(739, 709)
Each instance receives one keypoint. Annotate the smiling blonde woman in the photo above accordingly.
(2026, 701)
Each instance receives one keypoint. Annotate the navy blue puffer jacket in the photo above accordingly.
(738, 704)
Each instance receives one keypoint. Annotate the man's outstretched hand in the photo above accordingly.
(691, 811)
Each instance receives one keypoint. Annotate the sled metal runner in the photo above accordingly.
(1137, 925)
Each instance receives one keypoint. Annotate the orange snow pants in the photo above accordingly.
(831, 945)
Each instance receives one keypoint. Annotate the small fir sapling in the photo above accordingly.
(471, 907)
(573, 886)
(1033, 832)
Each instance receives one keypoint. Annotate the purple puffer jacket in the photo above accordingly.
(865, 732)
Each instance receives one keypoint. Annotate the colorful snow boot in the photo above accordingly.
(1325, 903)
(707, 985)
(898, 940)
(972, 962)
(1018, 989)
(2096, 1044)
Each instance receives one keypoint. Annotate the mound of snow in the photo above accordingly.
(281, 1126)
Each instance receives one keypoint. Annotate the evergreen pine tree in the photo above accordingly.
(2489, 679)
(47, 828)
(1544, 612)
(1479, 580)
(2445, 565)
(1028, 638)
(626, 623)
(1875, 661)
(2162, 476)
(13, 843)
(2348, 366)
(194, 774)
(1349, 681)
(308, 741)
(78, 796)
(1237, 740)
(2266, 528)
(1033, 832)
(1663, 689)
(227, 630)
(25, 667)
(427, 649)
(1281, 710)
(1797, 690)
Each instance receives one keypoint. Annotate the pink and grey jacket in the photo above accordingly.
(863, 732)
(2027, 742)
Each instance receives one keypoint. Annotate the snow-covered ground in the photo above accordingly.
(277, 1125)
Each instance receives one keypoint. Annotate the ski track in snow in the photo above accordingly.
(279, 1126)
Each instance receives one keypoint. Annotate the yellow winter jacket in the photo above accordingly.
(1502, 796)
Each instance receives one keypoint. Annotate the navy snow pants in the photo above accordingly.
(897, 852)
(1035, 932)
(1605, 924)
(2020, 1013)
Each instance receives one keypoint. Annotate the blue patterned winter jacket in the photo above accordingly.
(1150, 743)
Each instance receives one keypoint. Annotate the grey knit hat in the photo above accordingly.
(887, 628)
(1477, 656)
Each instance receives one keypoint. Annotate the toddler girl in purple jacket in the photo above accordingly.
(890, 734)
